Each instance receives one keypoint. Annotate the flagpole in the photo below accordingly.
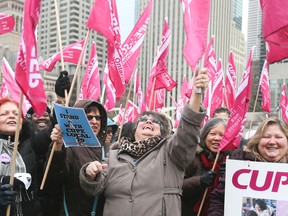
(15, 147)
(78, 67)
(102, 95)
(59, 33)
(206, 190)
(125, 108)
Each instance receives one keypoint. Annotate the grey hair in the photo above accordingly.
(210, 124)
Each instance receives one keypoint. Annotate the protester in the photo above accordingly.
(198, 175)
(24, 201)
(42, 122)
(50, 198)
(224, 113)
(112, 128)
(144, 176)
(221, 112)
(66, 163)
(269, 144)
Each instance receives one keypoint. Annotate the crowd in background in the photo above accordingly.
(145, 170)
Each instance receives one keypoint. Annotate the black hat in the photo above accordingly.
(30, 112)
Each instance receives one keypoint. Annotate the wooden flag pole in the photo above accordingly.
(15, 147)
(78, 67)
(59, 34)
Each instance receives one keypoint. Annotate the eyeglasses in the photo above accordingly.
(97, 117)
(145, 119)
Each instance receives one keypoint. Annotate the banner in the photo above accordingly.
(248, 181)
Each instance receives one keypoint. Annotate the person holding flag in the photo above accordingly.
(23, 194)
(199, 175)
(269, 144)
(144, 175)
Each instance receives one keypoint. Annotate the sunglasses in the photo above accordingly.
(145, 119)
(97, 117)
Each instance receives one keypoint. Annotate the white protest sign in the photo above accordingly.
(247, 181)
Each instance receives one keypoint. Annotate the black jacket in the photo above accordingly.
(29, 146)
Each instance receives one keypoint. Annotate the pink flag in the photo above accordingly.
(189, 89)
(120, 116)
(103, 18)
(4, 89)
(181, 102)
(159, 63)
(217, 89)
(91, 82)
(210, 63)
(283, 104)
(132, 112)
(110, 91)
(12, 86)
(230, 83)
(7, 23)
(132, 45)
(237, 120)
(275, 53)
(71, 54)
(27, 68)
(164, 80)
(265, 88)
(196, 21)
(139, 93)
(275, 21)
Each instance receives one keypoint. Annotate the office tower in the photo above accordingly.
(237, 13)
(9, 42)
(220, 26)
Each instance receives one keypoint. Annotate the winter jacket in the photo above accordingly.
(29, 146)
(65, 167)
(192, 188)
(152, 184)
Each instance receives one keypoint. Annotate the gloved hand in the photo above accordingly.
(207, 178)
(7, 195)
(17, 184)
(62, 83)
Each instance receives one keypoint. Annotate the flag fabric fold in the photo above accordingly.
(230, 83)
(196, 21)
(275, 21)
(12, 86)
(237, 120)
(103, 18)
(265, 88)
(71, 54)
(283, 104)
(181, 102)
(133, 43)
(27, 72)
(90, 88)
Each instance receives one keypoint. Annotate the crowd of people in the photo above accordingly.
(146, 169)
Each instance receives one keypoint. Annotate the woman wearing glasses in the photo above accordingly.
(66, 163)
(144, 176)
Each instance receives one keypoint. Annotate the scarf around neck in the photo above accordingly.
(6, 156)
(138, 149)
